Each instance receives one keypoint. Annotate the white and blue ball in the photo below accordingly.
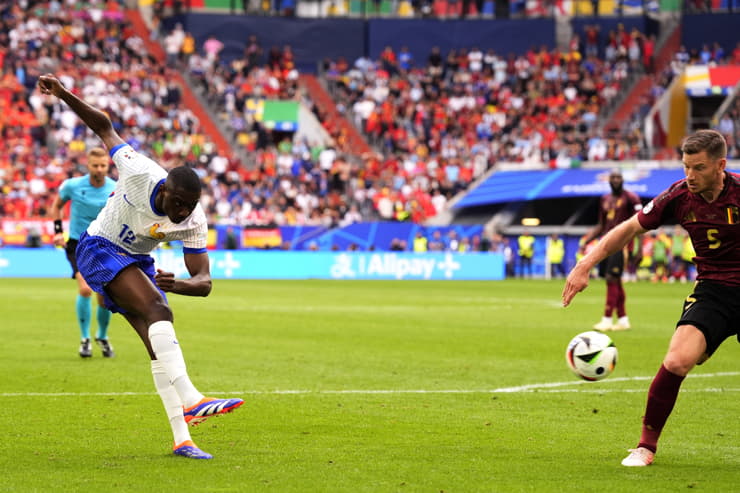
(591, 355)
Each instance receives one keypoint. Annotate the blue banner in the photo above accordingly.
(248, 264)
(365, 236)
(34, 262)
(512, 186)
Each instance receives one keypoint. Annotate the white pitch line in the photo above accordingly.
(538, 386)
(630, 391)
(551, 387)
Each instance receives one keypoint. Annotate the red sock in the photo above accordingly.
(612, 294)
(621, 297)
(661, 398)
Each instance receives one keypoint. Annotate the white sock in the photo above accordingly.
(172, 403)
(624, 320)
(606, 320)
(168, 353)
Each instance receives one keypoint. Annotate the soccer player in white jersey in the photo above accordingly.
(87, 195)
(148, 206)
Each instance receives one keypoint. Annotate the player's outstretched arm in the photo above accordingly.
(93, 117)
(611, 243)
(199, 283)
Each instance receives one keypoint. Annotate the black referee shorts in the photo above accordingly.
(70, 248)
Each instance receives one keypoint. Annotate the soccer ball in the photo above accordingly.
(591, 355)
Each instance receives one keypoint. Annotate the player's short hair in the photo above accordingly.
(185, 178)
(710, 141)
(97, 152)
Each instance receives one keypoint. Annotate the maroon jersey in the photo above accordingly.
(615, 209)
(714, 228)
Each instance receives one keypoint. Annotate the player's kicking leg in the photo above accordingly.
(208, 407)
(136, 293)
(182, 442)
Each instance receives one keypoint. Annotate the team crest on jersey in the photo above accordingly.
(648, 208)
(154, 233)
(733, 214)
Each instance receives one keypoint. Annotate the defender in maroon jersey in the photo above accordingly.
(707, 204)
(615, 207)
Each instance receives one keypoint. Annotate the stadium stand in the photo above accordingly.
(96, 52)
(537, 108)
(438, 123)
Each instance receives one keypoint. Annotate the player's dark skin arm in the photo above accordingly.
(199, 283)
(93, 117)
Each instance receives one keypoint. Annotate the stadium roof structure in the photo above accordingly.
(517, 186)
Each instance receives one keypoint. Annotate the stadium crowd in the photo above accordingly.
(95, 52)
(295, 181)
(474, 108)
(438, 124)
(711, 54)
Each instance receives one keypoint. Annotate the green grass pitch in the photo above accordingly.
(362, 387)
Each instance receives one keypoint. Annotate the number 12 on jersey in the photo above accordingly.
(126, 235)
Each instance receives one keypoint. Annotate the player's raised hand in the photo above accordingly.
(576, 282)
(48, 84)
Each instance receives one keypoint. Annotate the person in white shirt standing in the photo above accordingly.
(148, 206)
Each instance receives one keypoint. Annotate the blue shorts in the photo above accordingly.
(100, 261)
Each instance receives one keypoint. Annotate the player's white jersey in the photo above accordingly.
(130, 219)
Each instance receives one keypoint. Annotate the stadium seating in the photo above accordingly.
(433, 132)
(96, 54)
(529, 108)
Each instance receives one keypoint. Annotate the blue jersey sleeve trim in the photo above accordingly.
(115, 149)
(194, 250)
(153, 196)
